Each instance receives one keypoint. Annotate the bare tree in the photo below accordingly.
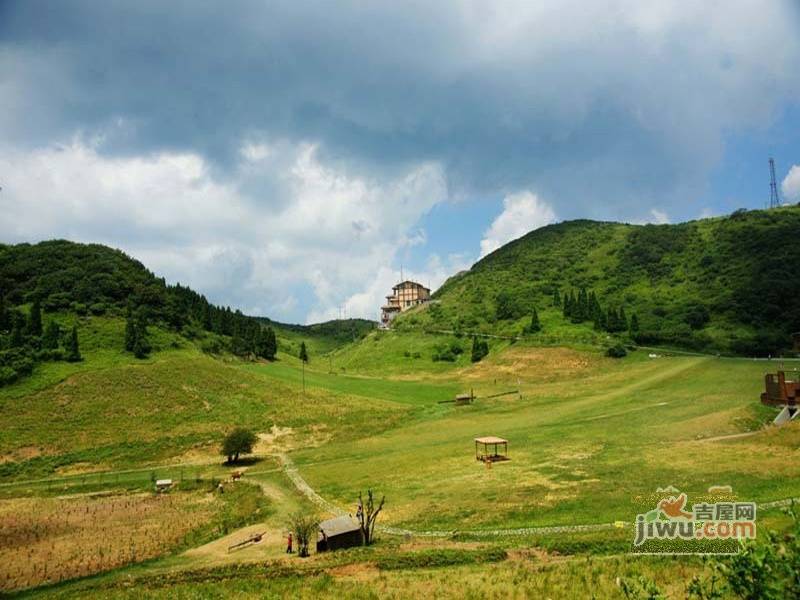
(367, 515)
(304, 526)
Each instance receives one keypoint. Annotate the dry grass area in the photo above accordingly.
(539, 364)
(51, 539)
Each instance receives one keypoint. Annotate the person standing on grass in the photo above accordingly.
(289, 544)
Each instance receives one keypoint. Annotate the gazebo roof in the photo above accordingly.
(491, 440)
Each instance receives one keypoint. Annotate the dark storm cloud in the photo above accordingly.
(586, 105)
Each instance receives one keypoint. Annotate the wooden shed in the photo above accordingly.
(341, 532)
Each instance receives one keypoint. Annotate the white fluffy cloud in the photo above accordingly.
(791, 184)
(522, 212)
(319, 228)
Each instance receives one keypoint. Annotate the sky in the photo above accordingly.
(290, 158)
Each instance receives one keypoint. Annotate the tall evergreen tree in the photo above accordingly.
(557, 298)
(17, 338)
(207, 321)
(141, 343)
(130, 331)
(634, 326)
(5, 320)
(270, 344)
(623, 320)
(612, 320)
(535, 325)
(583, 306)
(35, 319)
(480, 348)
(73, 351)
(303, 352)
(600, 320)
(51, 336)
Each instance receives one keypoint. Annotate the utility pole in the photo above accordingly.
(304, 378)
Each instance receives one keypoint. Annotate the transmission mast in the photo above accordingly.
(774, 199)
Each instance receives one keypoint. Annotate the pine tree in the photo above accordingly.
(51, 335)
(574, 311)
(600, 320)
(303, 352)
(17, 339)
(5, 319)
(623, 320)
(583, 306)
(612, 321)
(141, 345)
(634, 327)
(480, 348)
(557, 298)
(73, 351)
(270, 344)
(535, 325)
(207, 322)
(35, 319)
(130, 332)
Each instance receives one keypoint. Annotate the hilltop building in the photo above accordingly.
(405, 295)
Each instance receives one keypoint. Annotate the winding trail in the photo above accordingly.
(302, 485)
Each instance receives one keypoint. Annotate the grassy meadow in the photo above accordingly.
(590, 440)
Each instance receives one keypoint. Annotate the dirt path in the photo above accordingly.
(730, 436)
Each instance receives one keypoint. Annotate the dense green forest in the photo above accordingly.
(729, 284)
(53, 277)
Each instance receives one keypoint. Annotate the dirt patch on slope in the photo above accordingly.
(20, 454)
(541, 364)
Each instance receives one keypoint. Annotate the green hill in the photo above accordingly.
(728, 284)
(47, 288)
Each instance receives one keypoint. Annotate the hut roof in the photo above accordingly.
(490, 440)
(339, 525)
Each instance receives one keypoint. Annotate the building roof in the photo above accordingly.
(338, 526)
(414, 283)
(491, 440)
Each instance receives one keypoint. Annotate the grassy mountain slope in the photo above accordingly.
(728, 284)
(64, 278)
(112, 409)
(320, 338)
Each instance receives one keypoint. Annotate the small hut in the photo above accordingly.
(163, 485)
(462, 399)
(491, 449)
(341, 532)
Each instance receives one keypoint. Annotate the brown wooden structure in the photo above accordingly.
(253, 539)
(341, 532)
(780, 392)
(491, 449)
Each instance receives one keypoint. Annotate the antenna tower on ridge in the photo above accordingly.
(774, 199)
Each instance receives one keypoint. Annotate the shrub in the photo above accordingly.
(617, 351)
(98, 308)
(480, 348)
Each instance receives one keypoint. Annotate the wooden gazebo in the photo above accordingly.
(491, 449)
